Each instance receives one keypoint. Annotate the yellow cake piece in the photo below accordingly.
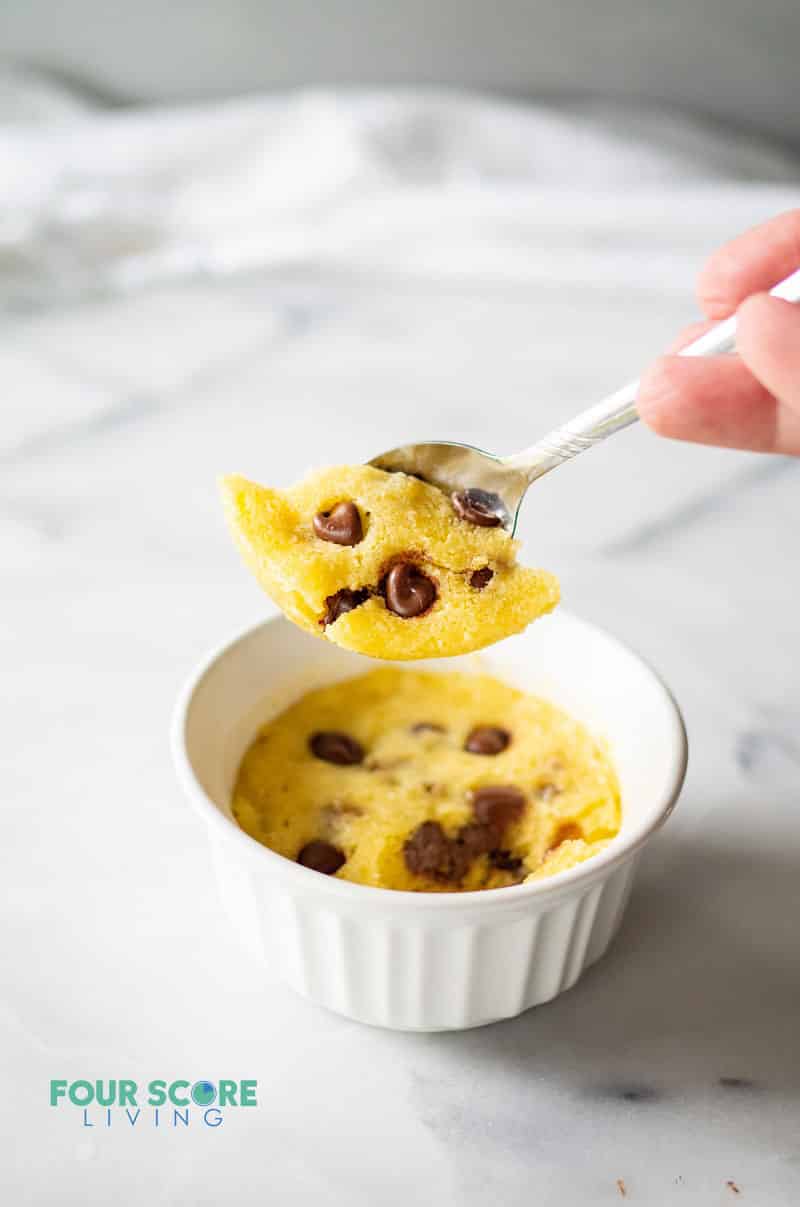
(403, 522)
(407, 731)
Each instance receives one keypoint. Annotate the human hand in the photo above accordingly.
(751, 400)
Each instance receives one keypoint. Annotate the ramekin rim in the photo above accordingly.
(618, 851)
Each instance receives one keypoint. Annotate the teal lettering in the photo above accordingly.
(173, 1093)
(81, 1093)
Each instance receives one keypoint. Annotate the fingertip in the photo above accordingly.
(658, 390)
(752, 261)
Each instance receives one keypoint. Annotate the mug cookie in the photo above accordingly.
(428, 782)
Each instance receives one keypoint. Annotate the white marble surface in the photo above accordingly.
(118, 411)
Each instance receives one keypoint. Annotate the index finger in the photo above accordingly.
(753, 262)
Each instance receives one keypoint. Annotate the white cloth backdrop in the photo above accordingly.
(434, 185)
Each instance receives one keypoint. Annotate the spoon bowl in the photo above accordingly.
(488, 481)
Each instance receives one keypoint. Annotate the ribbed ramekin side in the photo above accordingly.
(611, 907)
(420, 970)
(574, 934)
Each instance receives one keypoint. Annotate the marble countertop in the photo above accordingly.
(672, 1071)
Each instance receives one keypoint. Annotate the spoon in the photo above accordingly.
(495, 486)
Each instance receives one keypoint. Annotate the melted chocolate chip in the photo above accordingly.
(481, 578)
(429, 852)
(343, 601)
(504, 861)
(341, 525)
(427, 727)
(408, 592)
(334, 747)
(477, 838)
(487, 739)
(497, 805)
(321, 857)
(477, 507)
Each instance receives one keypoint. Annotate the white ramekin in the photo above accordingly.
(429, 961)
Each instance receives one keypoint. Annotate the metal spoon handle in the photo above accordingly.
(618, 411)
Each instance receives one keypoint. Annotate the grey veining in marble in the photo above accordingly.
(674, 1065)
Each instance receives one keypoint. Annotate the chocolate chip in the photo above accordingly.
(477, 507)
(478, 838)
(427, 727)
(408, 592)
(504, 861)
(343, 601)
(497, 805)
(334, 747)
(341, 525)
(481, 578)
(321, 857)
(429, 852)
(487, 739)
